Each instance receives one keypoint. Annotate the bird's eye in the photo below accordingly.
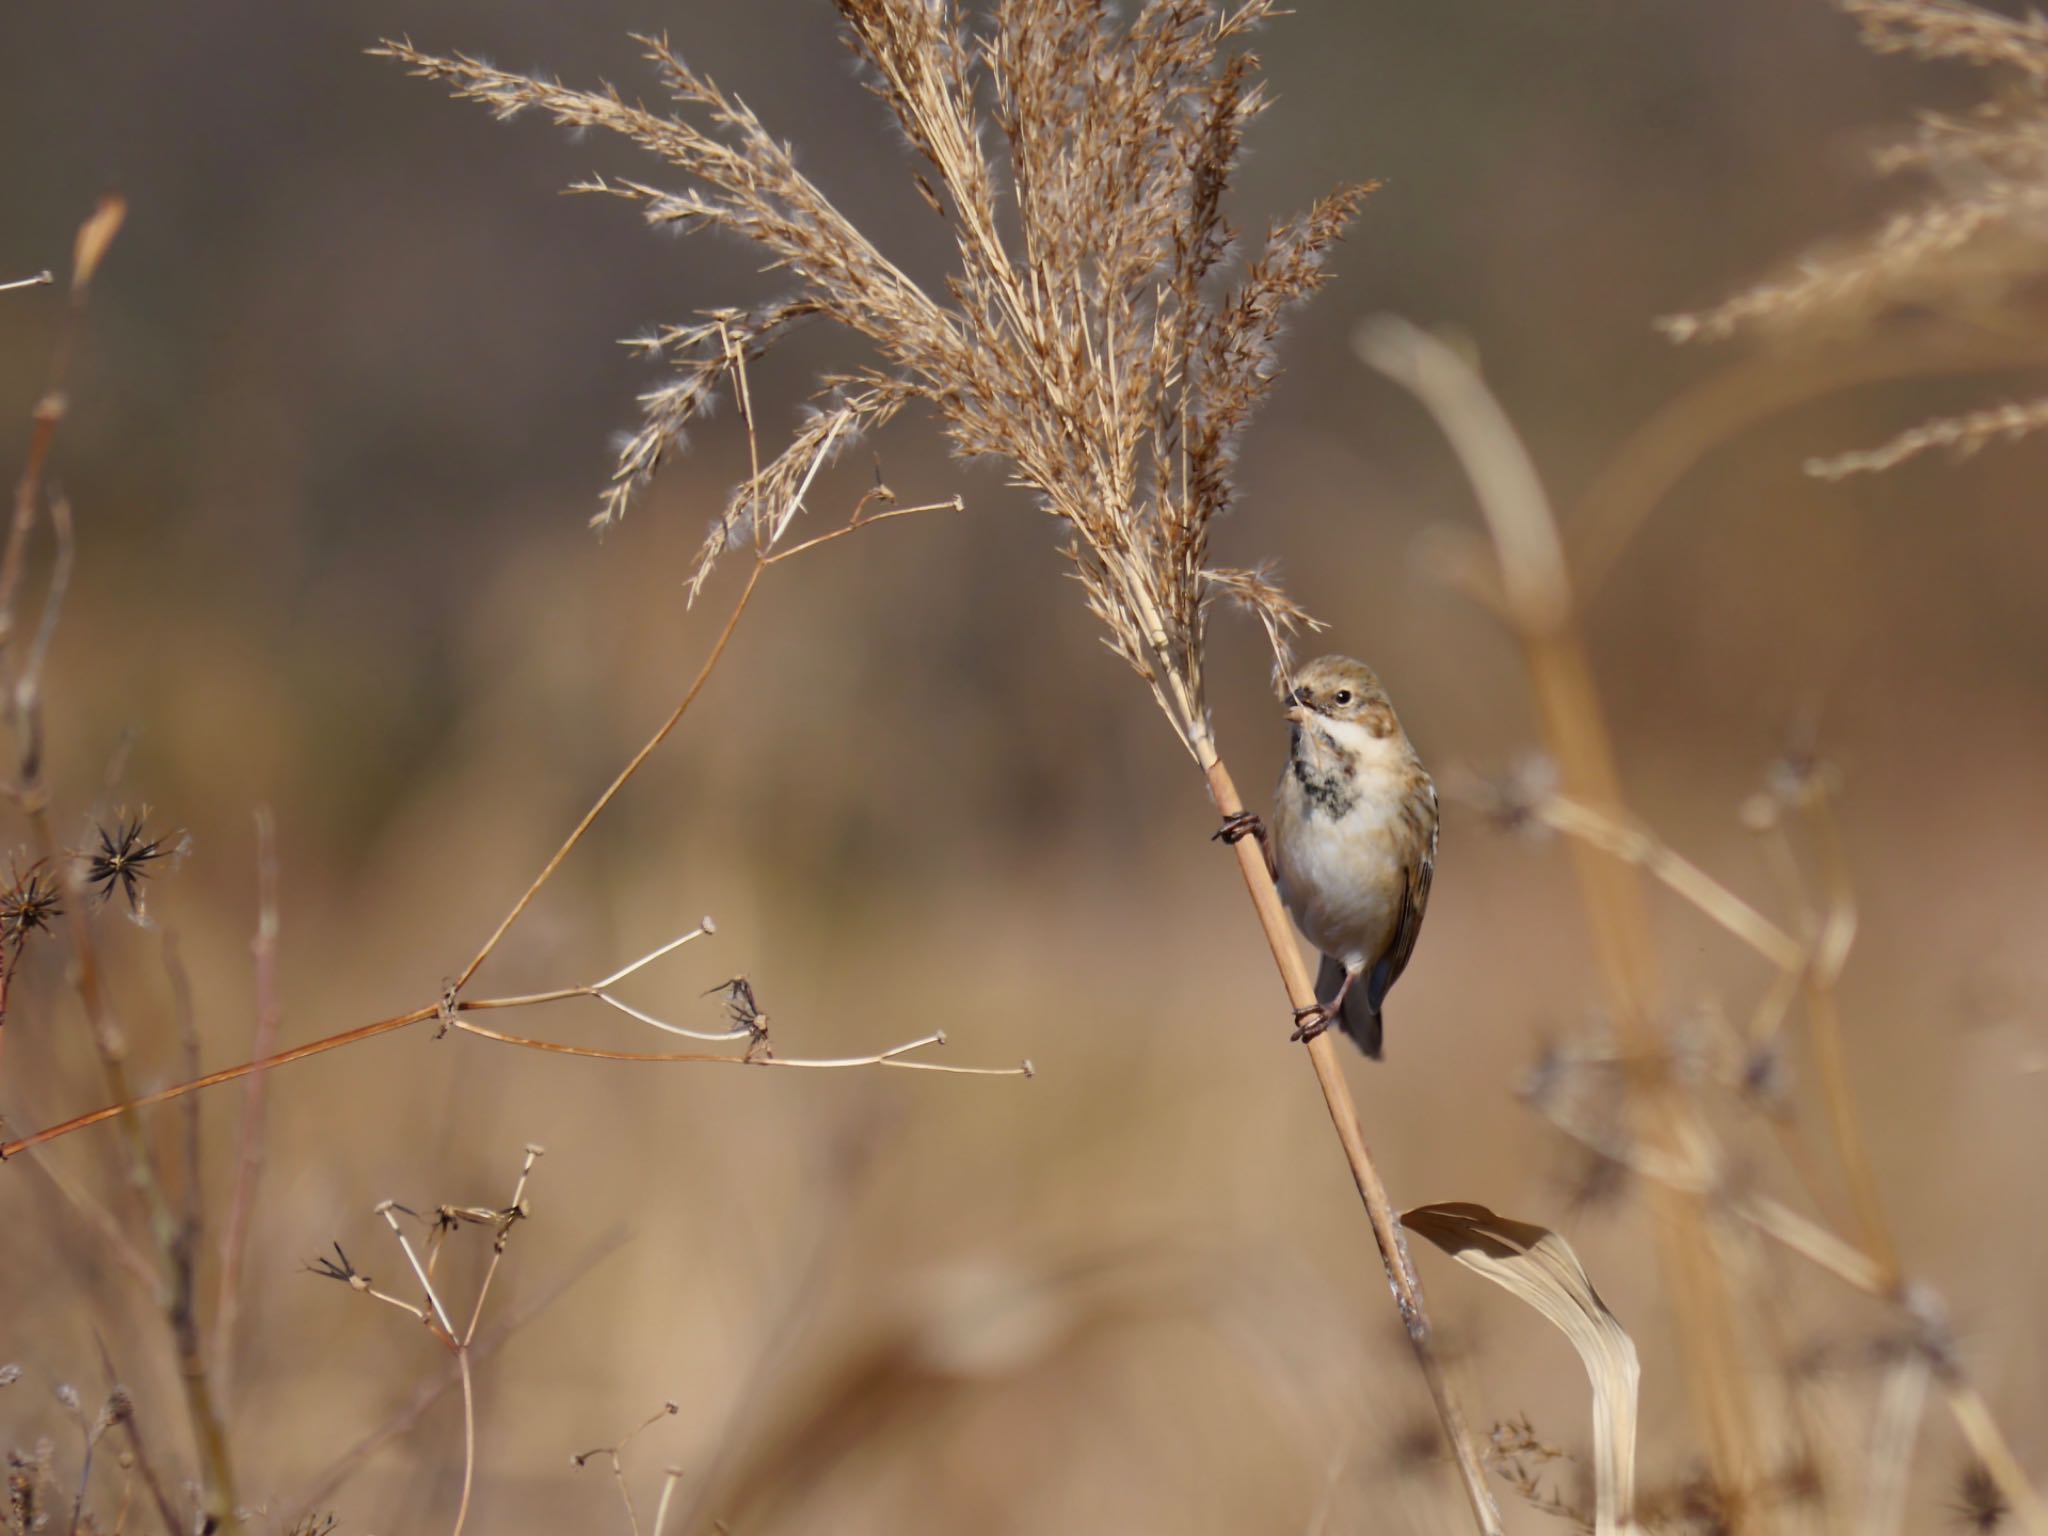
(1341, 696)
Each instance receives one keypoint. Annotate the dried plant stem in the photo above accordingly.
(126, 1105)
(625, 775)
(1858, 1270)
(1386, 1224)
(432, 1390)
(612, 1454)
(173, 1525)
(1637, 845)
(370, 1031)
(1539, 601)
(1831, 1071)
(1812, 967)
(450, 1015)
(468, 1437)
(459, 1347)
(1874, 1267)
(1562, 682)
(517, 1208)
(217, 1494)
(884, 1058)
(1895, 1427)
(1832, 939)
(103, 1221)
(1988, 1444)
(669, 1478)
(172, 1236)
(860, 519)
(249, 1156)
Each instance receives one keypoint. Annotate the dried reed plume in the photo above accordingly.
(1969, 252)
(1091, 349)
(1096, 336)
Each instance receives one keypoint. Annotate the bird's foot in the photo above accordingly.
(1310, 1022)
(1235, 828)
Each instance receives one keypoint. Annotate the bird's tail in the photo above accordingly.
(1359, 1019)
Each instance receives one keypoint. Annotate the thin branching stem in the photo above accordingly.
(468, 1437)
(890, 1057)
(624, 777)
(515, 1211)
(886, 1058)
(445, 1380)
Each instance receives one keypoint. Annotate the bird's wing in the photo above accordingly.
(1414, 902)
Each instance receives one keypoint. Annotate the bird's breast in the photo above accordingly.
(1343, 875)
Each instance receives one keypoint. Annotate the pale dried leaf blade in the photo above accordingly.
(1538, 1266)
(94, 236)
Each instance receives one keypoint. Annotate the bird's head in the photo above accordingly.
(1339, 689)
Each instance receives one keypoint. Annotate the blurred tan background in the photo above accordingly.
(341, 412)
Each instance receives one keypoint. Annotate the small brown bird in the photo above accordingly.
(1353, 842)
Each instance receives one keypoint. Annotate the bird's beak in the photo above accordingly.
(1297, 711)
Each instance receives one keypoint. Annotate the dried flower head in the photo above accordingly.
(1513, 801)
(31, 902)
(742, 1008)
(1979, 1503)
(124, 857)
(1594, 1181)
(339, 1268)
(1091, 334)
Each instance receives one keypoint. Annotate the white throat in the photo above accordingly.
(1352, 739)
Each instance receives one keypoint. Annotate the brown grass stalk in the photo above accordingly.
(1813, 964)
(1538, 597)
(1402, 1279)
(249, 1150)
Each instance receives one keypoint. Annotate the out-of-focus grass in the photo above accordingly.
(336, 428)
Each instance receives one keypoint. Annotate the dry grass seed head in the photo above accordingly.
(1972, 245)
(1978, 1504)
(1083, 337)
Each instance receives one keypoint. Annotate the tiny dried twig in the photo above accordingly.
(612, 1454)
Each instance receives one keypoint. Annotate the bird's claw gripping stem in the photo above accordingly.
(1235, 828)
(1310, 1022)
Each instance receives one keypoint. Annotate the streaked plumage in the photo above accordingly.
(1353, 839)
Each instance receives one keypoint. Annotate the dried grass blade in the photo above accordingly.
(1539, 1267)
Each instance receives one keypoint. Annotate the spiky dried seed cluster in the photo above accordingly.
(1087, 336)
(126, 856)
(1971, 244)
(30, 903)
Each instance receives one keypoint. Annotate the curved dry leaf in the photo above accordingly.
(1538, 1266)
(94, 236)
